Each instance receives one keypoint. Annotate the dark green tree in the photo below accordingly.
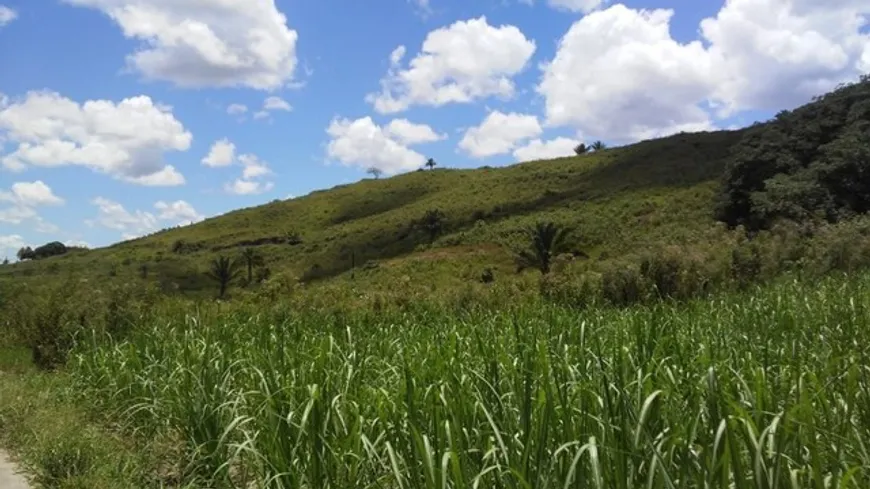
(224, 271)
(581, 149)
(433, 223)
(598, 146)
(430, 164)
(25, 253)
(546, 240)
(807, 164)
(252, 259)
(6, 261)
(375, 172)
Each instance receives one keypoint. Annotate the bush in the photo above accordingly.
(622, 285)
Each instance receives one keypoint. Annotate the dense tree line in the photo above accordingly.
(812, 163)
(54, 248)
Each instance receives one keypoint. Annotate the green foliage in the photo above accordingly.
(598, 146)
(54, 248)
(755, 391)
(223, 270)
(430, 164)
(581, 149)
(546, 240)
(432, 223)
(623, 199)
(252, 259)
(811, 163)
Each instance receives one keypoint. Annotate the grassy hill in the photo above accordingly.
(617, 199)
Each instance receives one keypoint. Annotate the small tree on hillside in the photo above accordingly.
(375, 172)
(25, 253)
(433, 223)
(252, 259)
(430, 164)
(598, 146)
(581, 149)
(224, 271)
(546, 241)
(6, 261)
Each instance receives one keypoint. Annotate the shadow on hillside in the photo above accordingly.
(379, 202)
(692, 159)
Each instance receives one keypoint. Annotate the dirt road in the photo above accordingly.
(9, 477)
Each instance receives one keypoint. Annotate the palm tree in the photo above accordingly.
(430, 164)
(252, 259)
(546, 241)
(223, 270)
(433, 223)
(375, 172)
(598, 146)
(581, 149)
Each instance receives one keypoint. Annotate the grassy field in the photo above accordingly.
(620, 199)
(764, 389)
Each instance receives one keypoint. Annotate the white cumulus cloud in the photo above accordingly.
(179, 211)
(409, 133)
(7, 15)
(237, 109)
(248, 187)
(30, 194)
(618, 74)
(23, 199)
(126, 139)
(113, 215)
(458, 63)
(774, 54)
(276, 103)
(198, 43)
(499, 133)
(364, 144)
(546, 150)
(222, 153)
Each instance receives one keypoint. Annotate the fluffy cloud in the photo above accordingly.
(7, 15)
(24, 198)
(248, 187)
(619, 75)
(771, 54)
(253, 167)
(11, 244)
(459, 63)
(272, 104)
(364, 144)
(276, 103)
(30, 194)
(179, 211)
(126, 139)
(222, 153)
(237, 109)
(499, 133)
(197, 43)
(545, 150)
(409, 133)
(112, 215)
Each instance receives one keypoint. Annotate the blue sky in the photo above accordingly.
(110, 109)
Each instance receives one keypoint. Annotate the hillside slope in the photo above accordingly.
(618, 200)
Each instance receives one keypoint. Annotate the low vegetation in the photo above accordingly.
(582, 322)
